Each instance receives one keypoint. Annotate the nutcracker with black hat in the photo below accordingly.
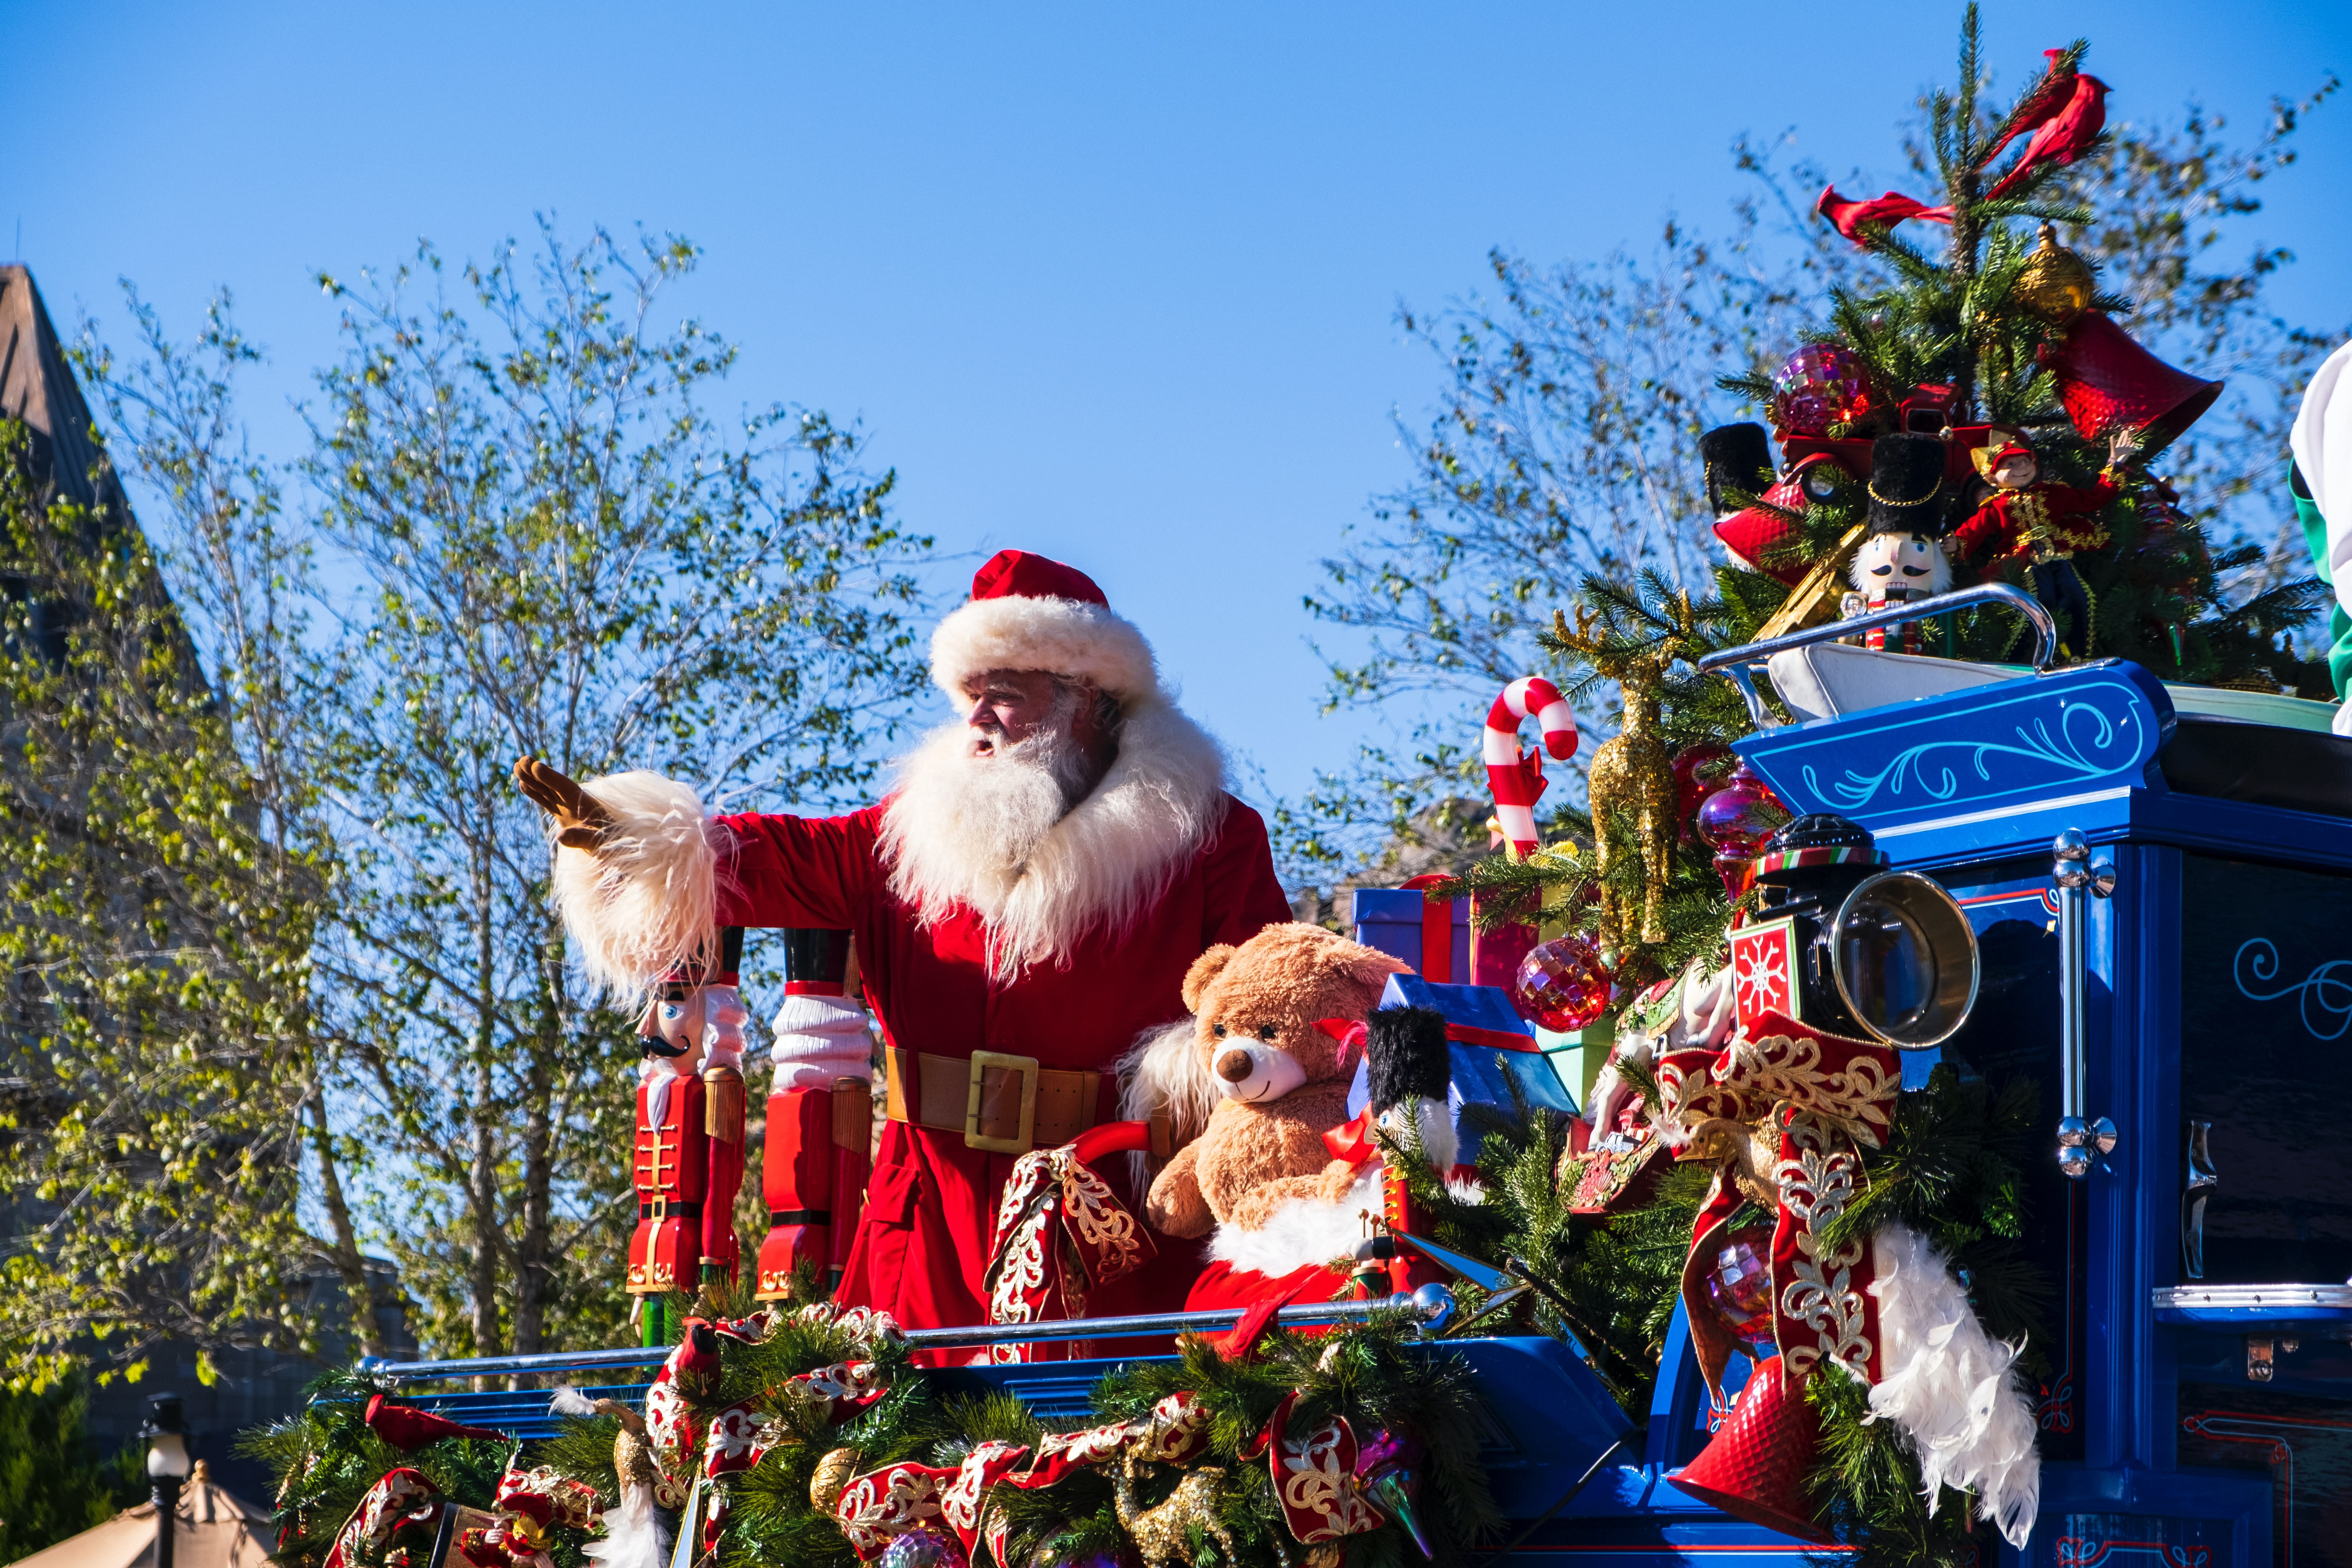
(1900, 558)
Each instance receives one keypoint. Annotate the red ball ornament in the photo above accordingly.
(1562, 984)
(1820, 386)
(1739, 1285)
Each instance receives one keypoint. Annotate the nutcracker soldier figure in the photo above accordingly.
(1898, 559)
(690, 1142)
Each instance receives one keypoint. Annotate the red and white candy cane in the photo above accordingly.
(1517, 776)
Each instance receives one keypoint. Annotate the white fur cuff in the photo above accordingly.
(647, 901)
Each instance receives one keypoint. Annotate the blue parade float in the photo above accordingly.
(2160, 884)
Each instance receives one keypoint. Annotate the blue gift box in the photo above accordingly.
(1390, 920)
(1481, 1073)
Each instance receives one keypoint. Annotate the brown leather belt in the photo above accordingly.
(1004, 1104)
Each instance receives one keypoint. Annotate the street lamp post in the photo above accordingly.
(166, 1431)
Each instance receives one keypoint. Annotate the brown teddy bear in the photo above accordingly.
(1258, 1175)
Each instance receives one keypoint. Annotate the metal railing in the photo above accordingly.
(1432, 1305)
(1739, 663)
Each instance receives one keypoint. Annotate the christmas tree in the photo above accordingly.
(1983, 407)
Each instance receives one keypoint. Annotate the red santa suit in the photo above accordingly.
(989, 1017)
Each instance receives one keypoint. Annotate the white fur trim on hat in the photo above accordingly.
(1060, 636)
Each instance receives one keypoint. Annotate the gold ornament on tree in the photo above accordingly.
(2055, 286)
(833, 1473)
(1632, 779)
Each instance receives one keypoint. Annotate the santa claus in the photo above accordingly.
(1024, 904)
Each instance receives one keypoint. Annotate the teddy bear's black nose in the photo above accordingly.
(1234, 1065)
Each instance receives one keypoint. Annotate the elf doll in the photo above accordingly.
(2043, 524)
(1898, 559)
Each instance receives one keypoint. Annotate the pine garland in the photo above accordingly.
(1372, 1374)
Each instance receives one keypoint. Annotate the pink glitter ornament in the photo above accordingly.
(1820, 386)
(1740, 1286)
(1562, 984)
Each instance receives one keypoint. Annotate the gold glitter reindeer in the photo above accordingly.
(1163, 1529)
(1632, 776)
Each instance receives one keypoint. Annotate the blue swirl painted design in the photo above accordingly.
(2083, 730)
(2325, 995)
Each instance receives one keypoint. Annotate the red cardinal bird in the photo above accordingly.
(405, 1426)
(2049, 95)
(2065, 135)
(1889, 209)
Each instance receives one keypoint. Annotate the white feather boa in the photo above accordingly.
(632, 1536)
(1948, 1386)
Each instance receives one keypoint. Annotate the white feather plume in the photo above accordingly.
(646, 900)
(632, 1536)
(1950, 1387)
(569, 1401)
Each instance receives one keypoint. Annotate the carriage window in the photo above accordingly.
(2266, 1057)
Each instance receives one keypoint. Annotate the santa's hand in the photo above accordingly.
(2122, 447)
(580, 819)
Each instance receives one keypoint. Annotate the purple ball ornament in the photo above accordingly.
(924, 1549)
(1735, 820)
(1048, 1556)
(1820, 386)
(1740, 1286)
(1562, 984)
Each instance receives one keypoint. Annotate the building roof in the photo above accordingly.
(216, 1528)
(37, 386)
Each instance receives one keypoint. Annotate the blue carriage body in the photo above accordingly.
(2186, 1421)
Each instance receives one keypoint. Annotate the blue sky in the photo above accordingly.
(1113, 282)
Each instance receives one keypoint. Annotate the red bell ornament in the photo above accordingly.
(1754, 1468)
(1562, 984)
(2109, 383)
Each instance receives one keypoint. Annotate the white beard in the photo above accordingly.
(998, 834)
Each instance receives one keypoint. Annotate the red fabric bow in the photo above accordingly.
(1353, 1140)
(1314, 1478)
(1803, 1103)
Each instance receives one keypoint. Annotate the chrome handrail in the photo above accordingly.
(1432, 1304)
(1735, 662)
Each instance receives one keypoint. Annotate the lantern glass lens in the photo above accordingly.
(1904, 959)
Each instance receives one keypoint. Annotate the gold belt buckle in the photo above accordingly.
(660, 1207)
(973, 1138)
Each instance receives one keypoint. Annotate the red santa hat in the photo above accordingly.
(1027, 612)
